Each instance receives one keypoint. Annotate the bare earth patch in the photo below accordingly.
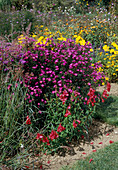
(113, 90)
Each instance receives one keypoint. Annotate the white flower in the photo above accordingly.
(21, 146)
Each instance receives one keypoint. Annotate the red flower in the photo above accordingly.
(92, 96)
(60, 128)
(63, 96)
(78, 121)
(45, 140)
(94, 150)
(100, 143)
(108, 86)
(26, 166)
(41, 167)
(82, 136)
(28, 121)
(107, 134)
(48, 162)
(90, 160)
(39, 136)
(111, 141)
(91, 143)
(74, 124)
(42, 138)
(53, 135)
(67, 113)
(91, 92)
(102, 100)
(69, 106)
(105, 95)
(84, 153)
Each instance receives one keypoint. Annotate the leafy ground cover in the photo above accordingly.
(51, 63)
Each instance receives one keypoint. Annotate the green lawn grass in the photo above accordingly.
(104, 159)
(108, 111)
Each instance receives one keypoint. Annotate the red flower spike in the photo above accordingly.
(60, 128)
(91, 143)
(53, 135)
(105, 95)
(108, 86)
(111, 141)
(28, 121)
(92, 95)
(90, 160)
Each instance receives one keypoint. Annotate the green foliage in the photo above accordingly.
(19, 4)
(76, 124)
(9, 5)
(13, 23)
(5, 5)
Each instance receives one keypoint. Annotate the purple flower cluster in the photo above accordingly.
(57, 67)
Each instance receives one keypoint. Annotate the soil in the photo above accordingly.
(99, 136)
(113, 90)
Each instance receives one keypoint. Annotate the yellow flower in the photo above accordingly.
(115, 52)
(75, 36)
(106, 78)
(116, 69)
(103, 83)
(114, 44)
(106, 54)
(106, 48)
(112, 51)
(33, 35)
(114, 74)
(82, 42)
(91, 50)
(77, 39)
